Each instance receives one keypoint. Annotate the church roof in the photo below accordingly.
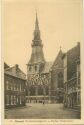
(37, 55)
(16, 72)
(58, 61)
(37, 58)
(47, 67)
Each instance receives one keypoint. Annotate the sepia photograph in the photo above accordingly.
(42, 59)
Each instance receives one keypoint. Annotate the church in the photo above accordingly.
(39, 72)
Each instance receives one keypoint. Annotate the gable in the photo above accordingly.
(47, 67)
(16, 71)
(58, 63)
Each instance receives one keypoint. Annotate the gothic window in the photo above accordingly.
(35, 68)
(32, 90)
(60, 80)
(40, 90)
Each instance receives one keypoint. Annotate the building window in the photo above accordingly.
(7, 99)
(14, 100)
(14, 86)
(20, 100)
(20, 87)
(11, 99)
(30, 68)
(8, 85)
(11, 86)
(17, 86)
(40, 90)
(35, 68)
(17, 100)
(60, 80)
(32, 90)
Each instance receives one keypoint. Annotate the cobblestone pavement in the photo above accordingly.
(40, 111)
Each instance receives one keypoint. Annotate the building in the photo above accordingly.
(57, 90)
(38, 75)
(72, 87)
(6, 66)
(14, 86)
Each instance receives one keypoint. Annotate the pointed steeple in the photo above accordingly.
(37, 39)
(36, 23)
(37, 55)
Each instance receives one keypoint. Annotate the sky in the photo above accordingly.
(60, 23)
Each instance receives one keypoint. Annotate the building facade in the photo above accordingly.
(14, 86)
(38, 75)
(57, 75)
(72, 86)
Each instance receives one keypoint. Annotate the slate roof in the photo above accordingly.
(58, 61)
(16, 72)
(47, 67)
(36, 58)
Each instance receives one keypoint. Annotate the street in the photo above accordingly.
(40, 111)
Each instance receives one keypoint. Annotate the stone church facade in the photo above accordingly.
(41, 75)
(38, 75)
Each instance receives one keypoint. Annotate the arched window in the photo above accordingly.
(40, 90)
(32, 90)
(60, 80)
(35, 68)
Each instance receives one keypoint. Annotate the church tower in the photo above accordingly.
(37, 60)
(38, 76)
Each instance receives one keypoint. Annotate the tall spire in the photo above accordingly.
(36, 23)
(37, 55)
(37, 39)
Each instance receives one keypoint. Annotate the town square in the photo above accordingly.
(42, 76)
(40, 111)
